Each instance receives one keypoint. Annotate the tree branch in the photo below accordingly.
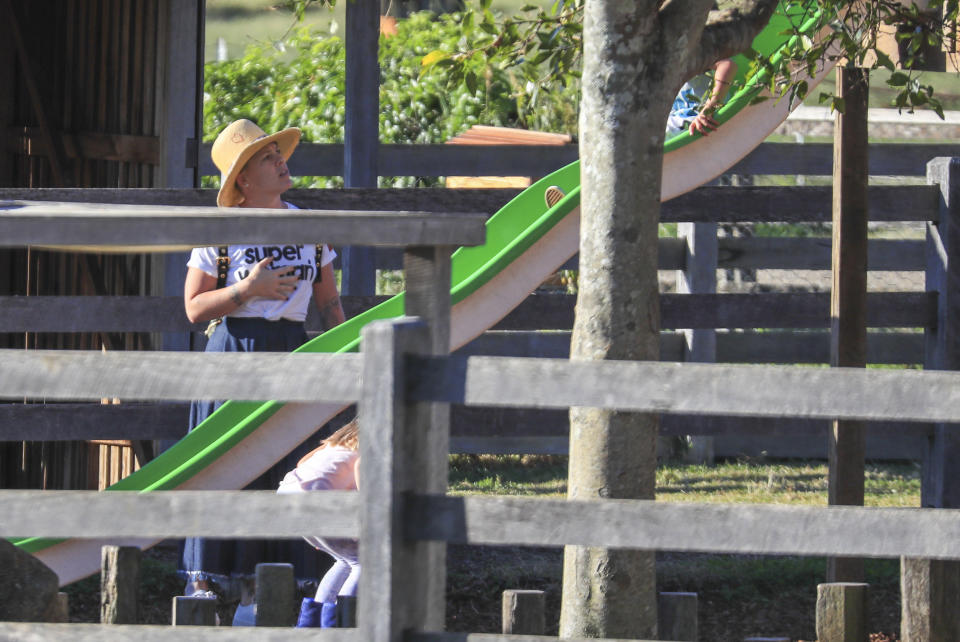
(730, 32)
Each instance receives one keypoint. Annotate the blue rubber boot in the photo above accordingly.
(310, 614)
(328, 616)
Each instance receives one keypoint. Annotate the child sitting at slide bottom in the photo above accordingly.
(333, 465)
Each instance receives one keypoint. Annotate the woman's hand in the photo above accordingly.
(266, 283)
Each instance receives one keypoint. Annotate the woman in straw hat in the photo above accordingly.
(256, 298)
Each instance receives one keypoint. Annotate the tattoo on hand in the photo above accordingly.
(235, 295)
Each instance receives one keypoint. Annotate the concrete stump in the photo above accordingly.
(119, 584)
(276, 595)
(59, 609)
(842, 612)
(194, 611)
(928, 591)
(677, 616)
(523, 612)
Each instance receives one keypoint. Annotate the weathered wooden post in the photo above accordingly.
(699, 276)
(194, 611)
(523, 612)
(275, 595)
(119, 584)
(929, 587)
(361, 129)
(842, 612)
(401, 580)
(848, 300)
(403, 584)
(677, 616)
(346, 611)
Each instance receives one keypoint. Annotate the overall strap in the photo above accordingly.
(223, 264)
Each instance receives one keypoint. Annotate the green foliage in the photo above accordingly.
(417, 104)
(545, 46)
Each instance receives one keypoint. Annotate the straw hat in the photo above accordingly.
(240, 140)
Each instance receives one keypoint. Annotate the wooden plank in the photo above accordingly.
(71, 375)
(811, 159)
(79, 632)
(361, 130)
(771, 253)
(941, 483)
(221, 513)
(84, 422)
(24, 223)
(771, 391)
(748, 204)
(399, 585)
(426, 431)
(814, 347)
(789, 310)
(846, 441)
(721, 528)
(706, 204)
(89, 145)
(179, 104)
(815, 159)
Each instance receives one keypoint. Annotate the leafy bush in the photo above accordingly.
(303, 86)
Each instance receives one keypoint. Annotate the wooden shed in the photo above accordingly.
(97, 93)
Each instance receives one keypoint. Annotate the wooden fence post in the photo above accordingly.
(927, 586)
(842, 612)
(699, 276)
(395, 585)
(677, 616)
(523, 612)
(361, 130)
(848, 299)
(194, 611)
(346, 611)
(275, 595)
(119, 584)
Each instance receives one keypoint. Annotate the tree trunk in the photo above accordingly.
(626, 99)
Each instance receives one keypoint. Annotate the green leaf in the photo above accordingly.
(898, 79)
(470, 79)
(433, 58)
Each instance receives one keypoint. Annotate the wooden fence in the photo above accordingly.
(405, 382)
(403, 517)
(769, 327)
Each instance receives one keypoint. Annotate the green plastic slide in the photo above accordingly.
(509, 234)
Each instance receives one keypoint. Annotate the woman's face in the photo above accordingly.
(265, 174)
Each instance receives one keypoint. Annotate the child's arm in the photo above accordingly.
(724, 72)
(356, 472)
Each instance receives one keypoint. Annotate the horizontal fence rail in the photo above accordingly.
(668, 526)
(78, 632)
(163, 514)
(771, 391)
(727, 310)
(742, 204)
(81, 374)
(124, 227)
(474, 429)
(812, 159)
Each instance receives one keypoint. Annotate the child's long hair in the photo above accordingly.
(346, 437)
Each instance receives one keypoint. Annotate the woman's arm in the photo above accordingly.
(328, 299)
(203, 301)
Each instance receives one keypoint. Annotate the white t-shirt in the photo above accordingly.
(300, 257)
(330, 468)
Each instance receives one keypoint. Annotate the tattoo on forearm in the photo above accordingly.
(328, 313)
(235, 295)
